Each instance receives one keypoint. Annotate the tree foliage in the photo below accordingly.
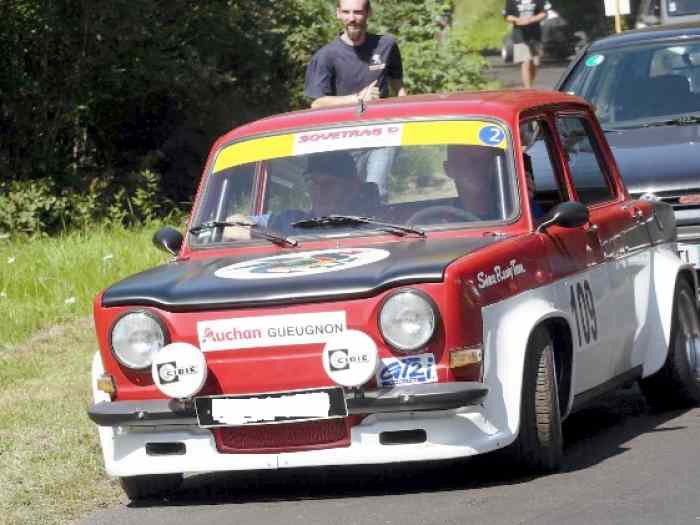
(98, 96)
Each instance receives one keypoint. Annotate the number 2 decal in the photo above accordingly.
(583, 307)
(492, 135)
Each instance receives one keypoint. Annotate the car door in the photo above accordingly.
(575, 256)
(619, 288)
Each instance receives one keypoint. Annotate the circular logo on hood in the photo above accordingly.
(301, 264)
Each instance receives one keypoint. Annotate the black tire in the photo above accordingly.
(142, 487)
(539, 445)
(677, 384)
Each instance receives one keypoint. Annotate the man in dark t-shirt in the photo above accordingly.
(355, 66)
(358, 66)
(526, 15)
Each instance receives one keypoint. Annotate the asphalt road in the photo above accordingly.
(624, 465)
(509, 74)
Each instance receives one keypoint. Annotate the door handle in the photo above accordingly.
(636, 213)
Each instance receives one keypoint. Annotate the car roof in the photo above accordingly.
(503, 104)
(646, 35)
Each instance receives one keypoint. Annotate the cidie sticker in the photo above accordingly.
(179, 370)
(350, 359)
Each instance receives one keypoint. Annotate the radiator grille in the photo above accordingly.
(283, 437)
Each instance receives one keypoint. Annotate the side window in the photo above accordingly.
(581, 153)
(538, 157)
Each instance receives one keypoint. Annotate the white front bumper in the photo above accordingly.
(450, 434)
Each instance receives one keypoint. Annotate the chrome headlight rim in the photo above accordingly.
(413, 349)
(154, 317)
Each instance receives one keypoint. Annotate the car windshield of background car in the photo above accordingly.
(400, 177)
(635, 86)
(682, 7)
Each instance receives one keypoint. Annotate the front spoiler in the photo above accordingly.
(407, 398)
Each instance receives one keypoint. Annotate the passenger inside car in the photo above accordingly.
(474, 172)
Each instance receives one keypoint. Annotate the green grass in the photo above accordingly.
(49, 281)
(52, 470)
(480, 23)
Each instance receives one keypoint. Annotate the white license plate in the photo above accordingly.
(264, 409)
(413, 369)
(689, 253)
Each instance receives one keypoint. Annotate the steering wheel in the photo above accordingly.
(441, 215)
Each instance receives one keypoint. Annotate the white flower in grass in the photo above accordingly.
(3, 295)
(11, 260)
(70, 300)
(107, 258)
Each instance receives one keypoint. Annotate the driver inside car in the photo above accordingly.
(334, 189)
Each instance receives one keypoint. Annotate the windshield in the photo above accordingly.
(682, 7)
(425, 174)
(633, 86)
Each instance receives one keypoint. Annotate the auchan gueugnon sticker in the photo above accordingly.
(302, 264)
(467, 132)
(270, 331)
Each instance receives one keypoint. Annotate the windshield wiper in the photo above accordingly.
(255, 231)
(343, 220)
(687, 120)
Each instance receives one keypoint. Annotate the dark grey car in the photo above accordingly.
(645, 86)
(663, 12)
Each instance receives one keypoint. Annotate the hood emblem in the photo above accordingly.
(302, 264)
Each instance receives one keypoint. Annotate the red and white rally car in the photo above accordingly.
(386, 284)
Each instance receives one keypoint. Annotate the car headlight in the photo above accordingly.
(135, 337)
(407, 320)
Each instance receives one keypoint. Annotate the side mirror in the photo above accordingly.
(567, 215)
(168, 239)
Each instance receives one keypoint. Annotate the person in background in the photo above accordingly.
(357, 67)
(526, 17)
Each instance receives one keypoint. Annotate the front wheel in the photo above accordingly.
(539, 446)
(677, 384)
(141, 487)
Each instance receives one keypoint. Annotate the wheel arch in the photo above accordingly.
(508, 329)
(667, 270)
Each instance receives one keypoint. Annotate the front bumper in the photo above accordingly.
(448, 433)
(408, 398)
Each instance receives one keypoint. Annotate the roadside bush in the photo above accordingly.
(40, 206)
(432, 67)
(99, 101)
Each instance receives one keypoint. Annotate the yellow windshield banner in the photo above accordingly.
(467, 132)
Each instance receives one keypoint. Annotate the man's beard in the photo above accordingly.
(355, 31)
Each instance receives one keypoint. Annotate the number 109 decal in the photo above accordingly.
(583, 308)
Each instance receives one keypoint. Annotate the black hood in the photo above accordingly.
(663, 158)
(193, 285)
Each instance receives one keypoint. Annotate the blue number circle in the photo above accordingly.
(491, 135)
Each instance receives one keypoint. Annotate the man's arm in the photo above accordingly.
(330, 101)
(510, 13)
(398, 87)
(370, 92)
(534, 19)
